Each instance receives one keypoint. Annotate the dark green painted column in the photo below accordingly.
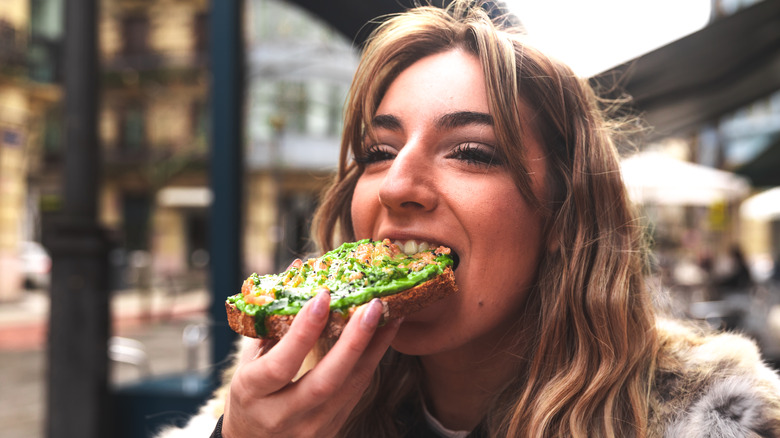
(77, 368)
(227, 167)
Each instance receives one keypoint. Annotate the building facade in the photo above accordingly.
(154, 131)
(24, 103)
(298, 73)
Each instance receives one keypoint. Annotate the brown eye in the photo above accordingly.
(374, 154)
(475, 154)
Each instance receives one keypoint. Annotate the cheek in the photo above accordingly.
(507, 238)
(497, 212)
(362, 208)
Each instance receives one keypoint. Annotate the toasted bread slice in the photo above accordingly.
(354, 274)
(397, 305)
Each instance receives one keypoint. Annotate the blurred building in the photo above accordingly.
(747, 141)
(24, 105)
(154, 130)
(298, 74)
(712, 100)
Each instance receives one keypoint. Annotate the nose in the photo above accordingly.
(410, 183)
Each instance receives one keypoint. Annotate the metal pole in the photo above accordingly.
(77, 399)
(227, 168)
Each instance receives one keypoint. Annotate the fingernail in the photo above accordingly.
(321, 305)
(371, 314)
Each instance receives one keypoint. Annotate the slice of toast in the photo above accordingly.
(355, 273)
(398, 305)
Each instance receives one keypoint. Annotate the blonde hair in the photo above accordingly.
(590, 352)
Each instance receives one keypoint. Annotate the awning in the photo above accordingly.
(763, 206)
(697, 79)
(655, 178)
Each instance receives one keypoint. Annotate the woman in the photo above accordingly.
(459, 133)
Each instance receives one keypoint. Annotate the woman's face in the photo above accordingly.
(434, 174)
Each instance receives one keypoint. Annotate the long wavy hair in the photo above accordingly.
(591, 351)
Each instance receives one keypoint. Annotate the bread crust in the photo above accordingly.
(397, 305)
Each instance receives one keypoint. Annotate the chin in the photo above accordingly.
(417, 338)
(431, 330)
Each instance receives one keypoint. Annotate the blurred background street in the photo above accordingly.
(206, 131)
(149, 342)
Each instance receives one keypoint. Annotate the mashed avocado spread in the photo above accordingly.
(354, 273)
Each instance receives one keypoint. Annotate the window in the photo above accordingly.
(335, 108)
(133, 129)
(201, 30)
(296, 210)
(199, 116)
(136, 209)
(9, 45)
(52, 132)
(293, 103)
(135, 33)
(47, 19)
(197, 235)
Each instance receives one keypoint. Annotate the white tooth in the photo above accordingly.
(399, 244)
(410, 247)
(423, 247)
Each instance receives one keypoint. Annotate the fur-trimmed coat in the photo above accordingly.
(706, 386)
(712, 386)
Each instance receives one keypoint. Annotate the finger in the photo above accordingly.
(252, 348)
(338, 408)
(364, 369)
(297, 263)
(336, 367)
(249, 348)
(278, 366)
(380, 342)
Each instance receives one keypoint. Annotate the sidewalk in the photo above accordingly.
(23, 330)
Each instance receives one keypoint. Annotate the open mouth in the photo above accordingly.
(455, 260)
(412, 247)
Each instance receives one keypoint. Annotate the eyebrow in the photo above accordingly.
(386, 121)
(447, 121)
(464, 118)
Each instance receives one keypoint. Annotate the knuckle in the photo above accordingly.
(322, 388)
(277, 426)
(284, 421)
(276, 371)
(239, 393)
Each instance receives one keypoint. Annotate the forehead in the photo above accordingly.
(447, 81)
(454, 81)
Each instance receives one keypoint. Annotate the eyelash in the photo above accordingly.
(475, 155)
(374, 154)
(468, 152)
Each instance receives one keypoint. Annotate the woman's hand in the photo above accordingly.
(263, 400)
